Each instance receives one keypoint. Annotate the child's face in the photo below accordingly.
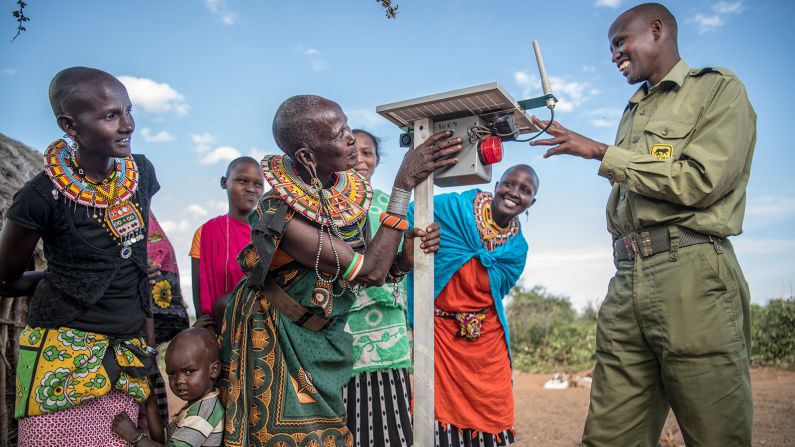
(104, 123)
(190, 374)
(244, 187)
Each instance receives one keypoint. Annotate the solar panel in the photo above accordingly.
(472, 101)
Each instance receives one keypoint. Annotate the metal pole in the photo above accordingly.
(423, 306)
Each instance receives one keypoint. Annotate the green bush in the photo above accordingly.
(547, 334)
(773, 333)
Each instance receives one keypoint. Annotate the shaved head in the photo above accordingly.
(292, 127)
(196, 338)
(648, 12)
(70, 88)
(523, 167)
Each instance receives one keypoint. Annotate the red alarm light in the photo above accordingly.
(490, 150)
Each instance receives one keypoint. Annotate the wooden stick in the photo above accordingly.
(423, 306)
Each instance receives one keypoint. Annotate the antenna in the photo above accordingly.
(548, 100)
(542, 71)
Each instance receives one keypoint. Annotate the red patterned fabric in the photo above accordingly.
(472, 379)
(85, 425)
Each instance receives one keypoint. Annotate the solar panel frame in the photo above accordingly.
(478, 100)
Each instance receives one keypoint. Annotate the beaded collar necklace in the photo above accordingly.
(341, 211)
(110, 199)
(491, 234)
(347, 201)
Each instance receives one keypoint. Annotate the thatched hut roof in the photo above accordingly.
(18, 164)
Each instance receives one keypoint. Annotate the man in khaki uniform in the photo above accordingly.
(674, 328)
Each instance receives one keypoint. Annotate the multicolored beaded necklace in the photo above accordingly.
(341, 211)
(491, 234)
(110, 199)
(347, 201)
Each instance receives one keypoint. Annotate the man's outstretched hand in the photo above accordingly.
(565, 141)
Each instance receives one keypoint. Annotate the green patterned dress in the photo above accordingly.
(281, 382)
(382, 359)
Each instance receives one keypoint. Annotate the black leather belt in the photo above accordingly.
(656, 240)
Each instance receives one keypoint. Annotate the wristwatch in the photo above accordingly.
(139, 438)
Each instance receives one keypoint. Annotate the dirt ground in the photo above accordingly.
(554, 418)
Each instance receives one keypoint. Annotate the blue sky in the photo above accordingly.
(206, 76)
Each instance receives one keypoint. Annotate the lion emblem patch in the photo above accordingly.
(662, 151)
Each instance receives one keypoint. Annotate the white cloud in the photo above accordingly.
(202, 141)
(220, 205)
(770, 207)
(154, 97)
(160, 137)
(314, 58)
(173, 228)
(220, 8)
(581, 274)
(712, 21)
(747, 246)
(8, 71)
(728, 8)
(365, 118)
(209, 155)
(222, 153)
(258, 154)
(609, 3)
(196, 210)
(707, 23)
(570, 94)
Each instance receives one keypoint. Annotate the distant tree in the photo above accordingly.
(19, 13)
(547, 334)
(773, 332)
(391, 11)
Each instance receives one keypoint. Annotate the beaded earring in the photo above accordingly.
(71, 147)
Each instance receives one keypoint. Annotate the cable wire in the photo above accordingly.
(551, 119)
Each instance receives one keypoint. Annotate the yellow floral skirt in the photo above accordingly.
(61, 368)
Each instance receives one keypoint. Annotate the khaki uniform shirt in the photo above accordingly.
(682, 154)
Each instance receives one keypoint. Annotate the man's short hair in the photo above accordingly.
(651, 11)
(239, 161)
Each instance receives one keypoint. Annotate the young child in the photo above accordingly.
(82, 355)
(216, 244)
(192, 366)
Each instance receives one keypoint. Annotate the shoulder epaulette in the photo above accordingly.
(704, 70)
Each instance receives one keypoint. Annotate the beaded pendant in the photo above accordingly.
(111, 198)
(491, 234)
(322, 297)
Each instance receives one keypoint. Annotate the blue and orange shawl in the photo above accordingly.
(460, 242)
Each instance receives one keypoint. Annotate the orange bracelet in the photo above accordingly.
(393, 221)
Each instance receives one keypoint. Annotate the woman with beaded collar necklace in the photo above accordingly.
(82, 356)
(481, 255)
(285, 353)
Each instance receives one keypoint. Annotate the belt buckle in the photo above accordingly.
(630, 245)
(645, 244)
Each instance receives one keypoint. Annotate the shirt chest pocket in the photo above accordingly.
(667, 138)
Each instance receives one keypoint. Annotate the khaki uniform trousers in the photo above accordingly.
(673, 330)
